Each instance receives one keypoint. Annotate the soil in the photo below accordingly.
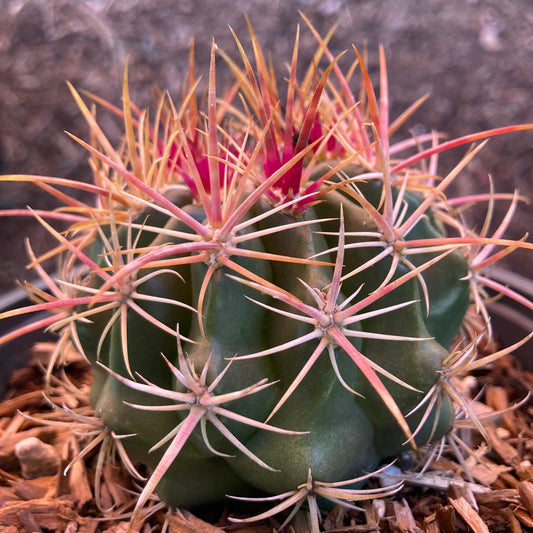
(491, 493)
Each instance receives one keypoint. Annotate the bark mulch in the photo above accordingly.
(37, 495)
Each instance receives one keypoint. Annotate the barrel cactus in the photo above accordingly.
(272, 297)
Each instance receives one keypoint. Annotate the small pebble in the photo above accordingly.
(36, 458)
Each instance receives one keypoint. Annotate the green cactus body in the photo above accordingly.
(346, 434)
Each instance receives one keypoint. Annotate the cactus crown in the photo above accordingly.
(272, 295)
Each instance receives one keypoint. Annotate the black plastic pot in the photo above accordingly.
(512, 321)
(16, 353)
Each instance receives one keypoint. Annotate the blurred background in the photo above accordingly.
(473, 56)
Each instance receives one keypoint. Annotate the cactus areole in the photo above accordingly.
(272, 295)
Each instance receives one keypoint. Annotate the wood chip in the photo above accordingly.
(28, 521)
(463, 490)
(50, 514)
(509, 479)
(77, 485)
(469, 515)
(402, 519)
(525, 490)
(513, 522)
(445, 516)
(23, 402)
(374, 512)
(508, 454)
(263, 528)
(430, 524)
(498, 498)
(524, 517)
(486, 472)
(27, 490)
(335, 518)
(498, 398)
(186, 522)
(524, 470)
(119, 527)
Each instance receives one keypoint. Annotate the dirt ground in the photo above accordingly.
(473, 56)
